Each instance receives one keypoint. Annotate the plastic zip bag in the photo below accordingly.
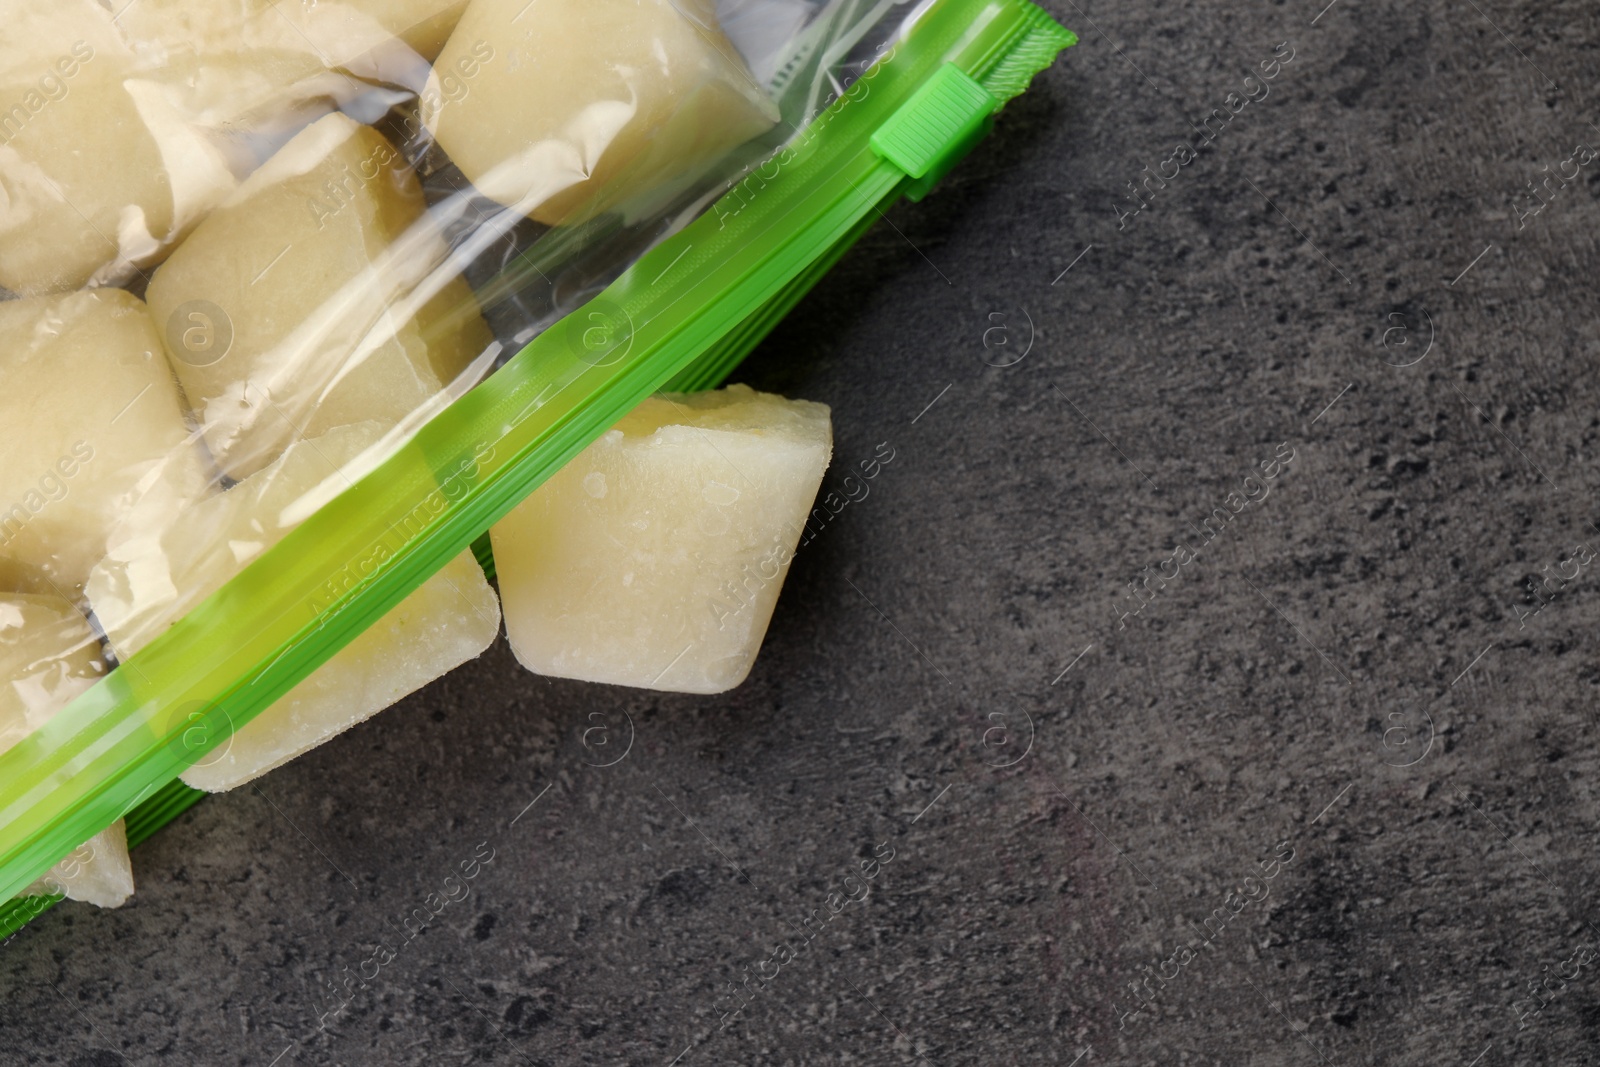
(904, 98)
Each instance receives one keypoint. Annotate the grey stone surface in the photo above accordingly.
(1346, 688)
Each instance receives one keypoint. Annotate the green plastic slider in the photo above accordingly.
(937, 127)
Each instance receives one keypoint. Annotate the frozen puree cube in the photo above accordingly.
(249, 77)
(94, 431)
(558, 108)
(450, 619)
(424, 24)
(654, 558)
(96, 172)
(97, 872)
(48, 655)
(285, 314)
(254, 71)
(338, 33)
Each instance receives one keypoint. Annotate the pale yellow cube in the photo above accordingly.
(285, 313)
(425, 24)
(252, 72)
(654, 559)
(97, 174)
(98, 872)
(244, 79)
(561, 108)
(49, 655)
(95, 434)
(338, 33)
(449, 620)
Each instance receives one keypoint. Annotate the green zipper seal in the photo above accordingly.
(685, 314)
(167, 804)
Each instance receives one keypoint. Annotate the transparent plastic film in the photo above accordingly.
(48, 655)
(382, 269)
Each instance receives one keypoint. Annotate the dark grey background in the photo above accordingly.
(1341, 677)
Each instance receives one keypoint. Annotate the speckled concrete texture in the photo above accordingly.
(1209, 678)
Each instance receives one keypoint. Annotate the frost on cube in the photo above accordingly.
(561, 108)
(141, 592)
(654, 559)
(48, 655)
(318, 296)
(97, 447)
